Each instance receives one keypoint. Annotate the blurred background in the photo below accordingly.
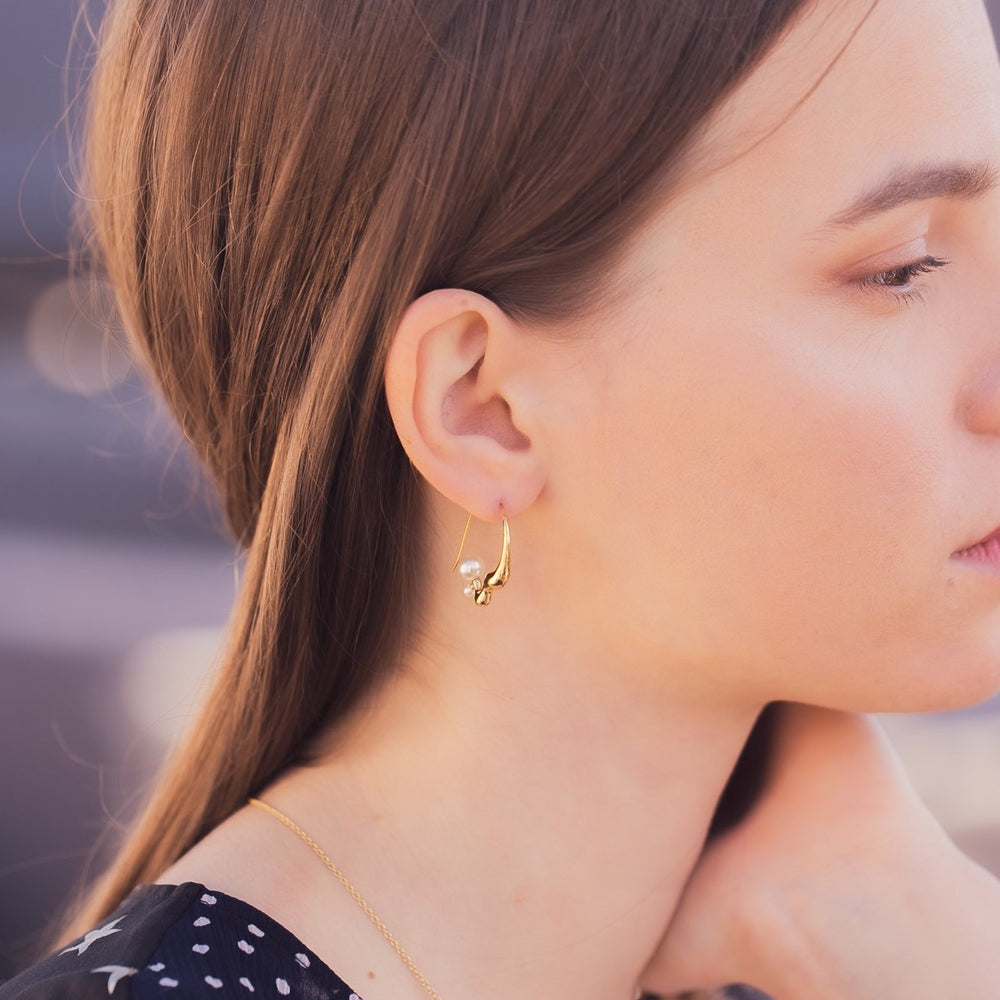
(115, 580)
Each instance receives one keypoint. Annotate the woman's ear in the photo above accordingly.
(455, 392)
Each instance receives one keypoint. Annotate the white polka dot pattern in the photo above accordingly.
(236, 952)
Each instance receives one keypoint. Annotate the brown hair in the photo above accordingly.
(268, 186)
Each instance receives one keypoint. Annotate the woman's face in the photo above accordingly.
(795, 406)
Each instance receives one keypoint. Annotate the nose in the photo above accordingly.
(980, 403)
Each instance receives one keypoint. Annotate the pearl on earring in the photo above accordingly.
(472, 572)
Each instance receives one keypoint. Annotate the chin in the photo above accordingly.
(952, 682)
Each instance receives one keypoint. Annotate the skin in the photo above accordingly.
(744, 479)
(839, 872)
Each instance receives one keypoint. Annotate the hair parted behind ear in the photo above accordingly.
(269, 185)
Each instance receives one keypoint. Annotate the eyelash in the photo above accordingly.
(898, 281)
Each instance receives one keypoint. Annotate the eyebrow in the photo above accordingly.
(948, 180)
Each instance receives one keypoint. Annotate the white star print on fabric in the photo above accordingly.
(115, 974)
(95, 935)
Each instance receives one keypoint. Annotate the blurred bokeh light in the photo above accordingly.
(67, 344)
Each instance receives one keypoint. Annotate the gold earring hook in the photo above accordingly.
(461, 545)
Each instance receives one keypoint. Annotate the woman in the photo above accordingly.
(690, 305)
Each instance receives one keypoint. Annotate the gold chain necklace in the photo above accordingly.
(353, 893)
(359, 899)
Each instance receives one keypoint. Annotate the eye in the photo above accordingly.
(900, 280)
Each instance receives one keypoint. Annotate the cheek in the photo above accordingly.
(792, 501)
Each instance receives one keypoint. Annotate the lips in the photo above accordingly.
(992, 538)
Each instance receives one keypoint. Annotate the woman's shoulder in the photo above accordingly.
(181, 942)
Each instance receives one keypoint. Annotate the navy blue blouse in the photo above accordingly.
(188, 942)
(181, 942)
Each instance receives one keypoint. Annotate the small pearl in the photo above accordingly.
(469, 592)
(470, 569)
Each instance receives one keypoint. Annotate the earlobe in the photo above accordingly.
(450, 382)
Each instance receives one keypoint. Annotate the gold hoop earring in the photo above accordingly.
(477, 586)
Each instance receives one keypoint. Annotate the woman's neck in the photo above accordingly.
(524, 823)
